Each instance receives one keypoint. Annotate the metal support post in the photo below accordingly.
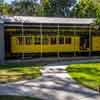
(58, 55)
(74, 41)
(90, 46)
(2, 43)
(41, 39)
(23, 40)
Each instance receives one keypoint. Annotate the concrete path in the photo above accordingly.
(55, 84)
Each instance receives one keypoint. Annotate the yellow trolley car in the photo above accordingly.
(35, 37)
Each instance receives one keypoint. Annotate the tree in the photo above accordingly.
(85, 8)
(4, 8)
(57, 7)
(98, 14)
(44, 8)
(24, 7)
(1, 6)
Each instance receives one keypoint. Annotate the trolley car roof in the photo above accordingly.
(51, 20)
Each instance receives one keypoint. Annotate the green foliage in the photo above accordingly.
(58, 7)
(6, 9)
(27, 7)
(45, 8)
(98, 14)
(85, 8)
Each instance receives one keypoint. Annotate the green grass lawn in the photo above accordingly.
(16, 72)
(6, 97)
(87, 74)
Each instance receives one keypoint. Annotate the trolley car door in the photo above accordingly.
(84, 42)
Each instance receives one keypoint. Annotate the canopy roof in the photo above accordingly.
(51, 20)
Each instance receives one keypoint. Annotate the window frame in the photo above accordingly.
(54, 42)
(29, 42)
(45, 40)
(20, 42)
(37, 40)
(60, 41)
(68, 40)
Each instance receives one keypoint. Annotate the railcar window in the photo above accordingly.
(53, 40)
(67, 40)
(20, 40)
(61, 40)
(37, 40)
(45, 40)
(28, 40)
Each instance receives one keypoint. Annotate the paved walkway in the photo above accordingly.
(55, 84)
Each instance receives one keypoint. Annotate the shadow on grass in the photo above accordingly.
(10, 73)
(9, 97)
(15, 65)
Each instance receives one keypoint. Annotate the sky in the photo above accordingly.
(9, 1)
